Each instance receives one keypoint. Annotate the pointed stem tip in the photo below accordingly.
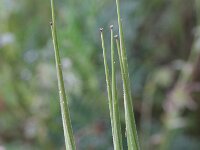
(116, 37)
(111, 27)
(101, 29)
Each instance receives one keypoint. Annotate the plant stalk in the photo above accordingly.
(108, 83)
(132, 137)
(68, 133)
(116, 115)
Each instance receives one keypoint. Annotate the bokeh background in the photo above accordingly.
(163, 46)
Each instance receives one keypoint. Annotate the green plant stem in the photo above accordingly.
(68, 133)
(112, 96)
(108, 83)
(116, 115)
(132, 137)
(119, 52)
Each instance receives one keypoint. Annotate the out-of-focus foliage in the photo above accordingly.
(162, 38)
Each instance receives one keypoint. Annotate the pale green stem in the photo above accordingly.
(116, 115)
(108, 83)
(68, 133)
(119, 52)
(132, 137)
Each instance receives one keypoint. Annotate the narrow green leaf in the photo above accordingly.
(68, 133)
(116, 115)
(108, 83)
(132, 137)
(119, 52)
(112, 95)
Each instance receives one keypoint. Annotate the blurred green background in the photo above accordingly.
(163, 43)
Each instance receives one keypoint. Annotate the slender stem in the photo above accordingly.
(132, 137)
(68, 133)
(116, 115)
(119, 52)
(108, 83)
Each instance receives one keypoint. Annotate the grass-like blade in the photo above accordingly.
(116, 115)
(119, 52)
(68, 133)
(108, 83)
(111, 89)
(131, 131)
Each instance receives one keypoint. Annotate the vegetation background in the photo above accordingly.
(163, 44)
